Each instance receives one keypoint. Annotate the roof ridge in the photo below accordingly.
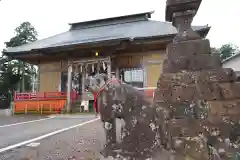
(111, 21)
(112, 24)
(109, 18)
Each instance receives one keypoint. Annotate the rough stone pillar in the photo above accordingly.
(200, 97)
(69, 88)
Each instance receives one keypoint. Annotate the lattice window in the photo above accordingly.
(135, 75)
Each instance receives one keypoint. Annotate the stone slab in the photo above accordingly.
(180, 5)
(230, 90)
(191, 63)
(206, 76)
(222, 108)
(188, 48)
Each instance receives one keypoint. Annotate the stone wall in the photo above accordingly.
(198, 98)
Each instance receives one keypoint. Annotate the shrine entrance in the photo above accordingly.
(79, 70)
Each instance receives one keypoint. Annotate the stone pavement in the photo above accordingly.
(82, 143)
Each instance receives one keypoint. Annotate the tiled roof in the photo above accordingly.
(231, 57)
(138, 28)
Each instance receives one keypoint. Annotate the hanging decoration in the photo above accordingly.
(75, 69)
(104, 66)
(81, 69)
(92, 67)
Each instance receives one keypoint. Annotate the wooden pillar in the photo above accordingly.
(23, 76)
(145, 76)
(117, 73)
(38, 79)
(121, 75)
(69, 87)
(86, 70)
(98, 67)
(83, 78)
(109, 69)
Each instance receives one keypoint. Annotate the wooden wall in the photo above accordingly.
(151, 62)
(153, 67)
(50, 73)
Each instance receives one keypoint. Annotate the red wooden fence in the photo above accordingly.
(42, 95)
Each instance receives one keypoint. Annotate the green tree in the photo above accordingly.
(9, 77)
(226, 51)
(15, 71)
(24, 34)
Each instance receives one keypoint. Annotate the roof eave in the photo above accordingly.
(204, 32)
(59, 48)
(37, 50)
(230, 58)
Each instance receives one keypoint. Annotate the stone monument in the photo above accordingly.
(201, 98)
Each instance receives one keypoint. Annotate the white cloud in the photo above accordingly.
(50, 17)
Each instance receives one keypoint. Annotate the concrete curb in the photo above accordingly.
(72, 116)
(5, 112)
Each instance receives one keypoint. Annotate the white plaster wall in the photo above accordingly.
(233, 63)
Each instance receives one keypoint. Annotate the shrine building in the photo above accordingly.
(130, 47)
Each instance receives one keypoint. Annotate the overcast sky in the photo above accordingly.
(50, 17)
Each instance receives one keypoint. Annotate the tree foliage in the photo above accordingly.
(226, 51)
(15, 71)
(25, 33)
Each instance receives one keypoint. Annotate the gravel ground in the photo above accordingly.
(82, 143)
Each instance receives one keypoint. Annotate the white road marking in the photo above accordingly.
(33, 144)
(8, 125)
(45, 136)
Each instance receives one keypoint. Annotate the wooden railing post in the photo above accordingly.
(41, 108)
(26, 108)
(15, 95)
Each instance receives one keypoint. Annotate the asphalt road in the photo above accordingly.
(79, 143)
(10, 135)
(6, 120)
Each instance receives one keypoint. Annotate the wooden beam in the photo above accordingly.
(69, 87)
(109, 69)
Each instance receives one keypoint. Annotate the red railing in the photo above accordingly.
(42, 95)
(148, 91)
